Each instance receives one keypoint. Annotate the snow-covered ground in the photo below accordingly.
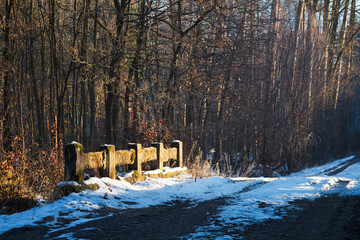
(268, 200)
(260, 202)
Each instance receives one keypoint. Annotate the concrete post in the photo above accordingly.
(108, 169)
(74, 166)
(159, 154)
(138, 156)
(179, 145)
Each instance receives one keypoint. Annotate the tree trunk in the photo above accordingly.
(338, 71)
(326, 50)
(136, 69)
(35, 87)
(112, 97)
(91, 84)
(84, 71)
(8, 78)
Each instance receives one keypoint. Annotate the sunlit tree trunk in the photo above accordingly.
(325, 32)
(92, 82)
(338, 69)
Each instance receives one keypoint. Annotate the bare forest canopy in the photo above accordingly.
(273, 82)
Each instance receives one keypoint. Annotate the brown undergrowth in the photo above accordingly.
(27, 174)
(200, 168)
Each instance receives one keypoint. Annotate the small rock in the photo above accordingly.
(67, 189)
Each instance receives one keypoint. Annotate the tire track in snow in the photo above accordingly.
(341, 167)
(214, 228)
(228, 230)
(344, 166)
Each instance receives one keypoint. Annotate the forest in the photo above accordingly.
(267, 84)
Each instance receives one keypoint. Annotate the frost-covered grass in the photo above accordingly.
(262, 202)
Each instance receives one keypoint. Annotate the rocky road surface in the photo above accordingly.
(328, 217)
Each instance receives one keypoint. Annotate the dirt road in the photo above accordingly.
(157, 222)
(328, 217)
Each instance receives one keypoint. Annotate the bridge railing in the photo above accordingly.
(107, 158)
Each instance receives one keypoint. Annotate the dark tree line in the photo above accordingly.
(248, 82)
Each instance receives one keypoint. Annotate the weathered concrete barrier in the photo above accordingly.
(106, 160)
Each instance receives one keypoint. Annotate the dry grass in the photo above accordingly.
(26, 174)
(200, 168)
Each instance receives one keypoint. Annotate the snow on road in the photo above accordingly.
(263, 201)
(267, 201)
(121, 195)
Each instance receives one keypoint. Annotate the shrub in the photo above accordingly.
(201, 168)
(27, 174)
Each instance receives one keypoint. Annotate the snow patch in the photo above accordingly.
(68, 183)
